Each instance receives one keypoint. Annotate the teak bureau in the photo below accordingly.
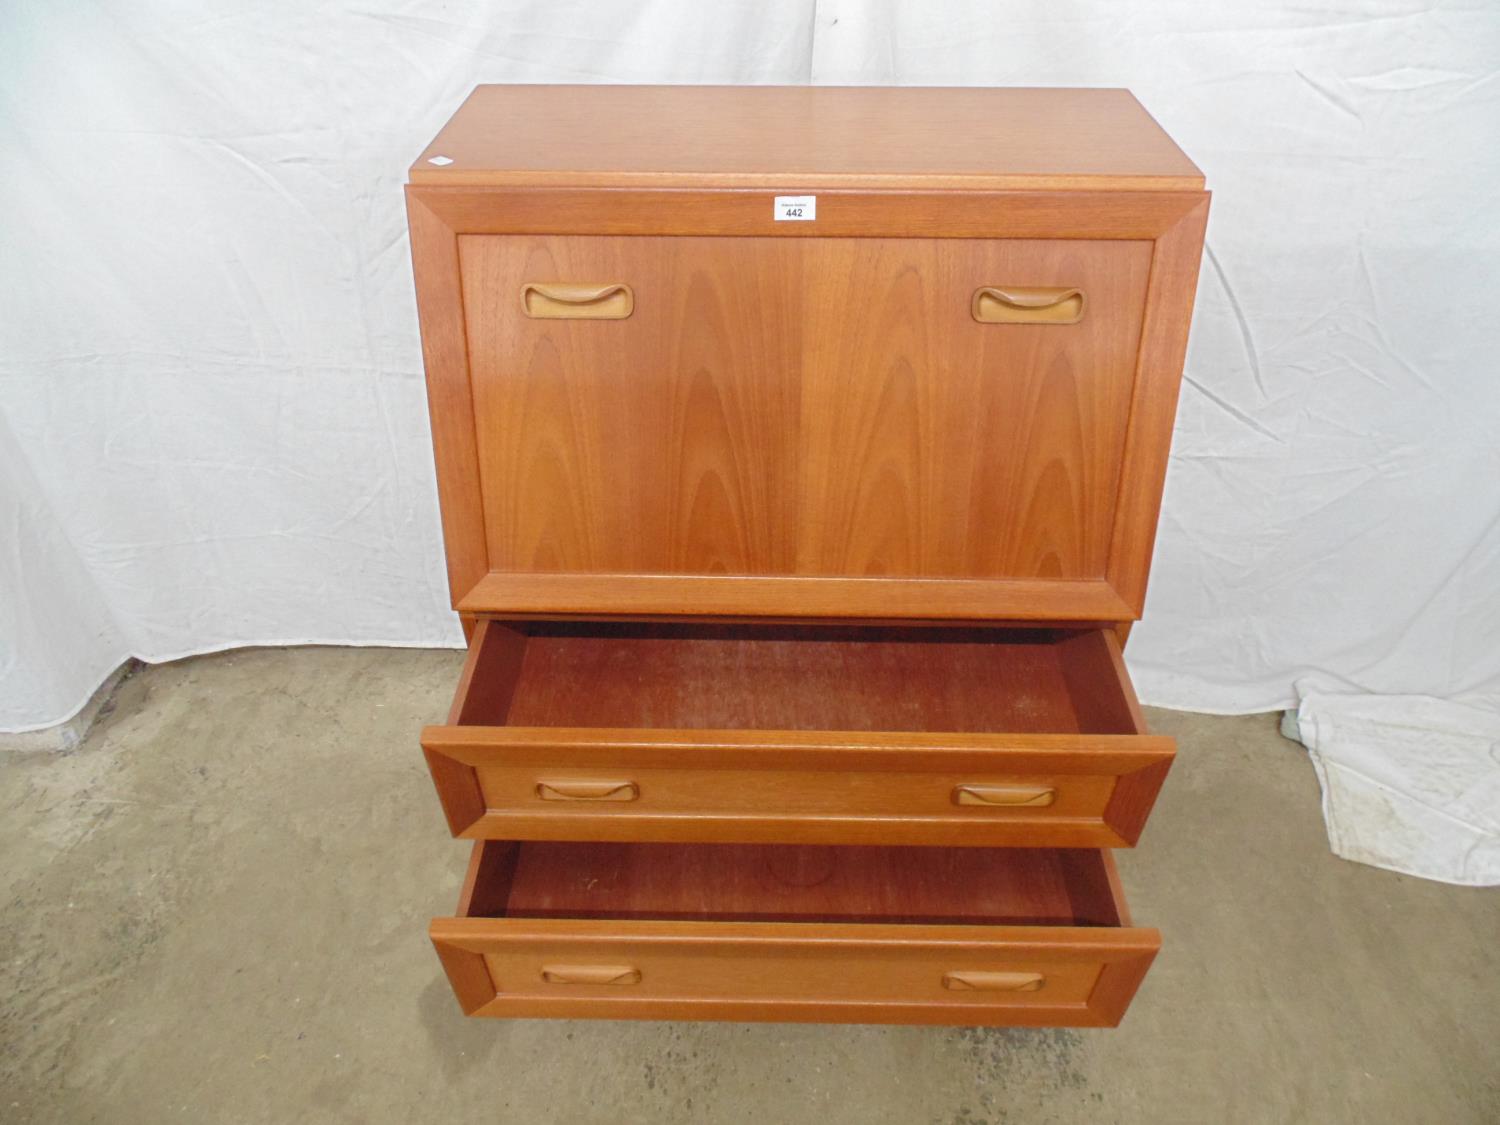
(799, 453)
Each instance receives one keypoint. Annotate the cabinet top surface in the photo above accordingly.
(796, 137)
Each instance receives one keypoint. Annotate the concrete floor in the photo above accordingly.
(215, 912)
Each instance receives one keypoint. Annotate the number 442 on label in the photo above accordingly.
(796, 208)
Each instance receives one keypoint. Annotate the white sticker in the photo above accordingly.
(796, 208)
(440, 161)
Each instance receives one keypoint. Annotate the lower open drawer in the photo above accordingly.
(921, 935)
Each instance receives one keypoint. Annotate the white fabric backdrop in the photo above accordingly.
(212, 430)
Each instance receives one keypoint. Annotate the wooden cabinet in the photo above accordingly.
(799, 452)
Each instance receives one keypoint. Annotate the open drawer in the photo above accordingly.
(796, 734)
(977, 936)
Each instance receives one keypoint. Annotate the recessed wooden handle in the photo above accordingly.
(565, 300)
(573, 790)
(1017, 304)
(967, 981)
(1007, 796)
(591, 974)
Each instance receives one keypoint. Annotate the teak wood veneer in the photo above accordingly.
(799, 453)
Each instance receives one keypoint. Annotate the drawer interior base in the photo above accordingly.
(793, 883)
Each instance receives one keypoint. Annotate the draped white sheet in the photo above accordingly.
(212, 425)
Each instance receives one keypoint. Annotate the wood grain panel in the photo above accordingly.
(823, 409)
(768, 883)
(695, 973)
(794, 598)
(933, 445)
(804, 806)
(789, 971)
(1153, 409)
(487, 882)
(440, 308)
(481, 584)
(841, 214)
(805, 678)
(805, 136)
(661, 442)
(490, 673)
(810, 787)
(1099, 687)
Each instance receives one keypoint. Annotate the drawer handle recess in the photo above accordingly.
(591, 974)
(1005, 796)
(565, 300)
(993, 982)
(1015, 304)
(587, 790)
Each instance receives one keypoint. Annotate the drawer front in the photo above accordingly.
(972, 975)
(813, 408)
(540, 783)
